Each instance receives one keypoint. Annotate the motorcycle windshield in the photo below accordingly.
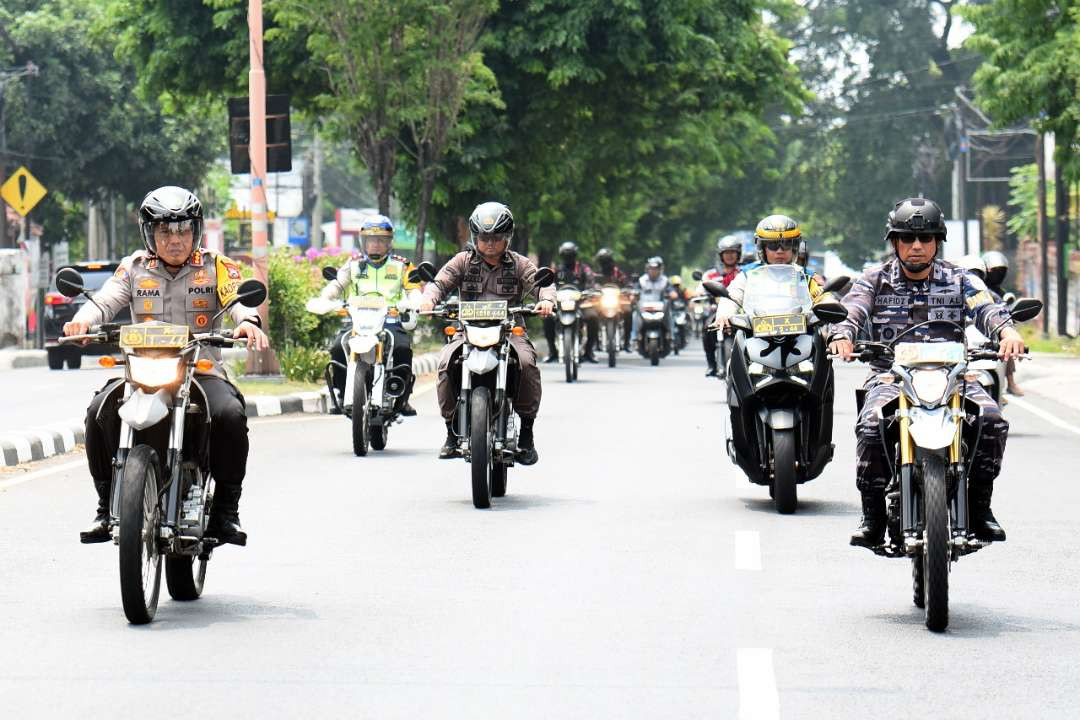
(776, 290)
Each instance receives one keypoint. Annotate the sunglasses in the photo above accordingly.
(783, 244)
(910, 239)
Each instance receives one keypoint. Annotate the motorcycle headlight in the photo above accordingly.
(483, 336)
(930, 385)
(609, 301)
(153, 371)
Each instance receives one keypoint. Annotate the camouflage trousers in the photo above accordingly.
(872, 467)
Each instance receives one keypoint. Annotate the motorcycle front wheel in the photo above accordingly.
(480, 447)
(935, 550)
(569, 352)
(361, 423)
(140, 559)
(785, 483)
(654, 352)
(612, 345)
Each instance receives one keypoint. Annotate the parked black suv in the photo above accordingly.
(59, 310)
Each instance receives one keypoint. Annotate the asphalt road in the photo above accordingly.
(632, 573)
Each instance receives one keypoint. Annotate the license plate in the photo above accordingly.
(154, 335)
(767, 325)
(482, 310)
(367, 302)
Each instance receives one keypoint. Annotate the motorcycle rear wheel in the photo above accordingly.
(785, 481)
(935, 555)
(379, 436)
(361, 428)
(480, 447)
(140, 559)
(184, 580)
(498, 469)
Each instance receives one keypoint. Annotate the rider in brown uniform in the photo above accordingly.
(489, 270)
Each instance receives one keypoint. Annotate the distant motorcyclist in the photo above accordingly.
(489, 270)
(997, 267)
(570, 271)
(654, 285)
(608, 273)
(913, 287)
(381, 272)
(728, 257)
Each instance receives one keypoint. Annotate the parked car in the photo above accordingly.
(60, 309)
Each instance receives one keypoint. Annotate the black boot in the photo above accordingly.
(712, 372)
(526, 447)
(450, 447)
(553, 357)
(225, 516)
(871, 532)
(589, 357)
(983, 522)
(408, 410)
(98, 531)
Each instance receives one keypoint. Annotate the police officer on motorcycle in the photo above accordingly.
(377, 271)
(728, 257)
(572, 272)
(489, 270)
(913, 287)
(175, 281)
(608, 273)
(654, 285)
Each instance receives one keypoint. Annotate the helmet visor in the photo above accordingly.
(376, 246)
(780, 244)
(162, 230)
(491, 239)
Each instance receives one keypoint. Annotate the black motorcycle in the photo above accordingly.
(654, 336)
(162, 492)
(780, 381)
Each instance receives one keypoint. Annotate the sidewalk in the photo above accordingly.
(37, 443)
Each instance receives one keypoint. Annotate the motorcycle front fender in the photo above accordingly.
(779, 418)
(362, 345)
(567, 318)
(143, 410)
(480, 362)
(931, 429)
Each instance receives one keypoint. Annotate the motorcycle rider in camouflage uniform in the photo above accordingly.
(175, 281)
(913, 287)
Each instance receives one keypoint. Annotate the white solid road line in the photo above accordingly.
(1047, 416)
(758, 699)
(19, 480)
(747, 550)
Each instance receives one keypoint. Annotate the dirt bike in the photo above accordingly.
(162, 492)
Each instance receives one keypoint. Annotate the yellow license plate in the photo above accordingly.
(367, 302)
(154, 335)
(780, 325)
(482, 310)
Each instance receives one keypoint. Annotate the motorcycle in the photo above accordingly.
(484, 418)
(570, 302)
(930, 437)
(162, 492)
(611, 309)
(373, 384)
(654, 338)
(682, 324)
(780, 381)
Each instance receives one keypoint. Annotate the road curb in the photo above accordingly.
(11, 359)
(39, 443)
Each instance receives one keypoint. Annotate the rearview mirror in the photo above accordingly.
(425, 272)
(1023, 309)
(69, 282)
(697, 275)
(715, 289)
(251, 293)
(544, 277)
(330, 273)
(830, 312)
(836, 284)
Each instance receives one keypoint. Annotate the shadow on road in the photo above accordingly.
(806, 507)
(214, 610)
(518, 502)
(977, 621)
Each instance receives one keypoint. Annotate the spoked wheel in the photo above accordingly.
(480, 447)
(379, 435)
(140, 560)
(184, 576)
(935, 551)
(785, 484)
(498, 469)
(361, 423)
(569, 352)
(612, 344)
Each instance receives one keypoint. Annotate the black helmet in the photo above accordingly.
(916, 216)
(997, 267)
(777, 229)
(568, 252)
(169, 204)
(605, 259)
(490, 218)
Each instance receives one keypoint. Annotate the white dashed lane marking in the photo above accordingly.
(758, 699)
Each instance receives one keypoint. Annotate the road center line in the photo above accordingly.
(758, 699)
(1047, 416)
(747, 550)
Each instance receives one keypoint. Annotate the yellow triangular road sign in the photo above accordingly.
(22, 191)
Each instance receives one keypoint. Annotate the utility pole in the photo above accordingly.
(7, 77)
(1041, 229)
(959, 174)
(261, 363)
(1061, 208)
(316, 211)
